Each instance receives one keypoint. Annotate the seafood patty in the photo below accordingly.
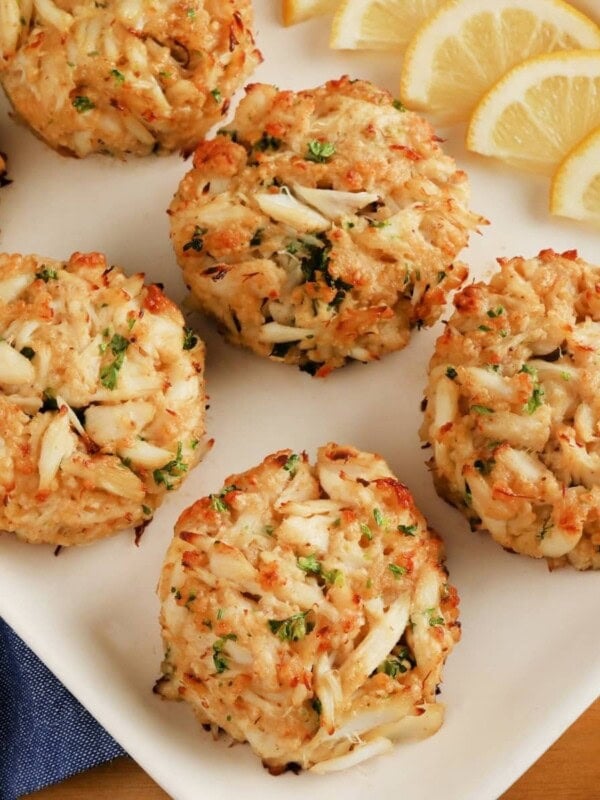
(101, 398)
(322, 225)
(513, 408)
(124, 76)
(305, 609)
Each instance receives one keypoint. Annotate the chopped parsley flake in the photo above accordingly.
(173, 469)
(309, 564)
(477, 409)
(109, 373)
(397, 571)
(81, 104)
(219, 660)
(217, 501)
(535, 401)
(451, 373)
(316, 705)
(334, 576)
(434, 619)
(217, 96)
(408, 530)
(380, 520)
(190, 340)
(291, 629)
(495, 312)
(320, 152)
(118, 76)
(147, 511)
(484, 328)
(565, 376)
(366, 531)
(399, 106)
(291, 465)
(392, 666)
(529, 370)
(267, 142)
(46, 274)
(28, 352)
(268, 529)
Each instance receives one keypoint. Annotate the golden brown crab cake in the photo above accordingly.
(101, 398)
(513, 408)
(306, 610)
(322, 225)
(124, 76)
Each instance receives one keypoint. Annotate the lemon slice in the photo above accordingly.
(575, 188)
(458, 54)
(378, 24)
(294, 11)
(539, 111)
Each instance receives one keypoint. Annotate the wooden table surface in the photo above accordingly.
(569, 770)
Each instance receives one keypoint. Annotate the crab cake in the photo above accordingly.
(124, 76)
(101, 398)
(513, 408)
(323, 225)
(305, 609)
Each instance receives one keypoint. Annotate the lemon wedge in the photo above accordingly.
(460, 52)
(378, 24)
(575, 190)
(294, 11)
(539, 111)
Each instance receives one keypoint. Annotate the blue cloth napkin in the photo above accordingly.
(45, 734)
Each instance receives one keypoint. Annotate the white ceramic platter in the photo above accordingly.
(529, 660)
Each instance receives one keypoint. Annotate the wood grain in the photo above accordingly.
(569, 770)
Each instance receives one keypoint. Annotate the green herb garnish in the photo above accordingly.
(81, 104)
(477, 409)
(219, 659)
(366, 531)
(293, 628)
(190, 340)
(109, 373)
(46, 274)
(320, 152)
(397, 571)
(217, 502)
(174, 469)
(291, 465)
(433, 618)
(408, 530)
(451, 373)
(309, 564)
(380, 520)
(267, 142)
